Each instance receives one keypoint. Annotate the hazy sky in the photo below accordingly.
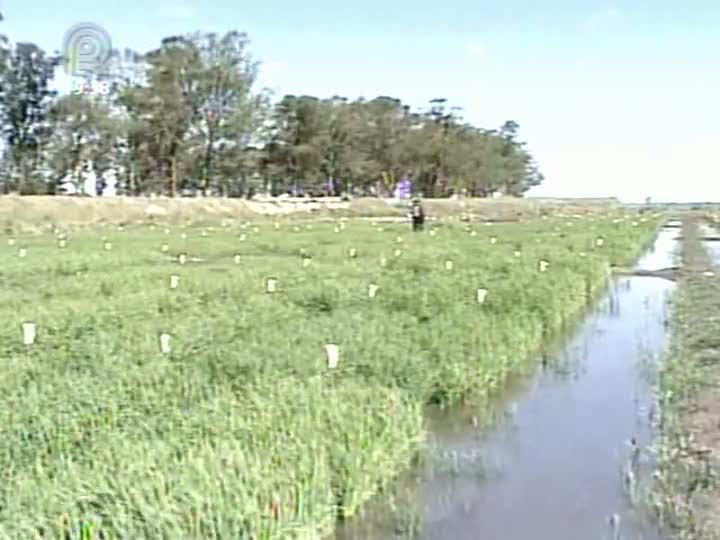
(613, 98)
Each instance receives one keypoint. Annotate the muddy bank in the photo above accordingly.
(687, 491)
(566, 458)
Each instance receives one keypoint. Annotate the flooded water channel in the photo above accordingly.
(561, 463)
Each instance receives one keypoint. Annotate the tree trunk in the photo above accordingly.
(208, 162)
(172, 176)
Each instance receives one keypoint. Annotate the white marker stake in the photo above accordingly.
(493, 240)
(11, 242)
(481, 294)
(167, 231)
(399, 239)
(517, 253)
(337, 229)
(372, 290)
(108, 246)
(352, 252)
(165, 343)
(306, 262)
(383, 261)
(277, 225)
(432, 232)
(398, 252)
(473, 233)
(164, 248)
(599, 242)
(182, 258)
(237, 259)
(174, 281)
(271, 285)
(380, 229)
(203, 234)
(183, 236)
(243, 237)
(543, 265)
(28, 330)
(256, 230)
(333, 355)
(22, 252)
(61, 243)
(448, 265)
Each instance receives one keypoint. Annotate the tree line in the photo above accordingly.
(188, 117)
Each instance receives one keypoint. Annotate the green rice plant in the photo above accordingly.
(241, 430)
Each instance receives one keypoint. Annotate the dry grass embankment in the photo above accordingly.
(34, 213)
(687, 490)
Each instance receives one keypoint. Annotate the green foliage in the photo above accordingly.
(187, 118)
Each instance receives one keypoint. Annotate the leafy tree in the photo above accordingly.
(187, 116)
(25, 98)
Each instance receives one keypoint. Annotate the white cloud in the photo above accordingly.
(476, 50)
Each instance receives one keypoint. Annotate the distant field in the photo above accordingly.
(242, 430)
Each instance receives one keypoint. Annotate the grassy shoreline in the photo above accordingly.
(242, 432)
(687, 494)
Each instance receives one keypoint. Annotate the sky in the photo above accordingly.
(613, 98)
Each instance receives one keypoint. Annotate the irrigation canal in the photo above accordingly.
(560, 464)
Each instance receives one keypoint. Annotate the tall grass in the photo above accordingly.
(242, 431)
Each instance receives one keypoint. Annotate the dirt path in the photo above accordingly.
(690, 455)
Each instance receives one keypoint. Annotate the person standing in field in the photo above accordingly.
(417, 215)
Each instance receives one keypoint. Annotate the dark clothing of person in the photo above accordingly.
(418, 217)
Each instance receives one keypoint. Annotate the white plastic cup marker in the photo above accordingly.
(481, 294)
(165, 343)
(28, 330)
(333, 355)
(271, 285)
(372, 290)
(174, 281)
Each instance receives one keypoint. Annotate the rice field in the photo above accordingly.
(259, 380)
